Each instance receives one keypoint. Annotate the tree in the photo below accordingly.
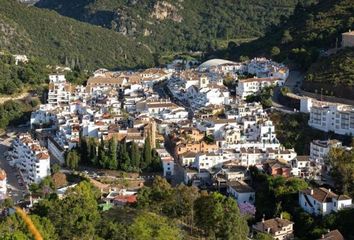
(76, 216)
(275, 51)
(152, 226)
(244, 58)
(263, 236)
(286, 38)
(147, 157)
(14, 228)
(59, 180)
(184, 200)
(101, 157)
(112, 154)
(134, 156)
(156, 164)
(56, 168)
(112, 230)
(219, 217)
(342, 162)
(72, 159)
(92, 151)
(84, 150)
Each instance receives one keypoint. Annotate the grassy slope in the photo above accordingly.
(44, 33)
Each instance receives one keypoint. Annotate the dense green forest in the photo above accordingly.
(301, 37)
(187, 25)
(14, 112)
(56, 39)
(14, 77)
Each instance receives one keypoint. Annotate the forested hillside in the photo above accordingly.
(333, 74)
(179, 25)
(301, 37)
(57, 39)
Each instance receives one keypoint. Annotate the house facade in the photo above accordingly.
(278, 228)
(241, 191)
(322, 201)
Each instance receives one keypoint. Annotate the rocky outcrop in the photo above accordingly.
(163, 10)
(122, 23)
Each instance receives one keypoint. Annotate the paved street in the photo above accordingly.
(293, 82)
(14, 190)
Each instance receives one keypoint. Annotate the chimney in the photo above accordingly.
(311, 191)
(263, 218)
(281, 216)
(329, 190)
(322, 236)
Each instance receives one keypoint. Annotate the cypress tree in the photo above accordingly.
(112, 154)
(134, 156)
(147, 156)
(101, 153)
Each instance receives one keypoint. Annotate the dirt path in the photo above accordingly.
(7, 98)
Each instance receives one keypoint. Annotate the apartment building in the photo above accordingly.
(59, 90)
(320, 149)
(30, 158)
(329, 117)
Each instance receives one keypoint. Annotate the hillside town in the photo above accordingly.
(204, 133)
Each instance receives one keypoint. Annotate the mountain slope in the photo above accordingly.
(333, 74)
(43, 33)
(299, 41)
(304, 34)
(178, 25)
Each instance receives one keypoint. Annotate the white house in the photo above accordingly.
(241, 191)
(167, 162)
(209, 160)
(322, 201)
(278, 228)
(188, 158)
(250, 86)
(174, 115)
(20, 59)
